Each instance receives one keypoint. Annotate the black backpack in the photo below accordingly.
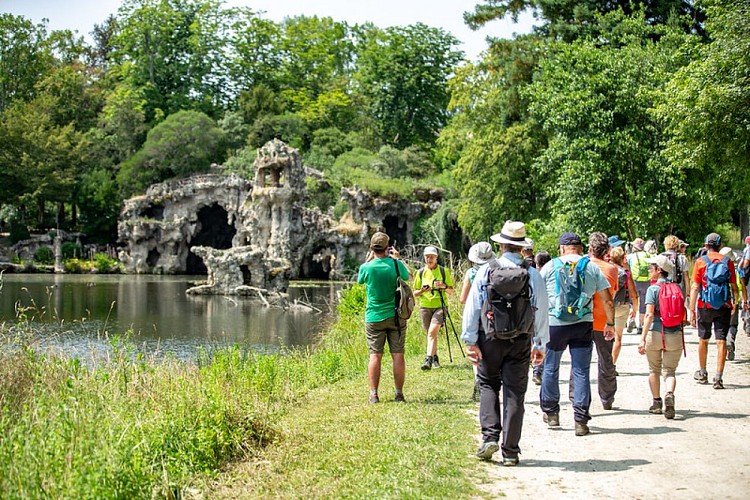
(622, 296)
(675, 259)
(507, 311)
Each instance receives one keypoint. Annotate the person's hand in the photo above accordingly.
(474, 354)
(631, 315)
(693, 322)
(609, 333)
(395, 253)
(642, 347)
(537, 357)
(439, 285)
(744, 306)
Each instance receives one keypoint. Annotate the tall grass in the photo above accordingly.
(129, 425)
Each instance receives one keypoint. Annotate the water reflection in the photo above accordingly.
(75, 310)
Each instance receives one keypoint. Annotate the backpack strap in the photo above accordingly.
(395, 305)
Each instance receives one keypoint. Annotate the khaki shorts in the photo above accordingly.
(431, 315)
(621, 316)
(377, 333)
(663, 361)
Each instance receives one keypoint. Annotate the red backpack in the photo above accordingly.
(671, 309)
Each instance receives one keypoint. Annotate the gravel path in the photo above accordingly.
(703, 453)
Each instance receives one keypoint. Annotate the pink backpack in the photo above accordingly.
(671, 310)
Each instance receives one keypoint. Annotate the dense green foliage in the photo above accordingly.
(626, 117)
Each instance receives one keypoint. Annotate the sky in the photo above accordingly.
(81, 15)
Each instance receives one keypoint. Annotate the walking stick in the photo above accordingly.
(448, 317)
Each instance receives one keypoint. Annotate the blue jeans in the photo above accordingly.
(579, 339)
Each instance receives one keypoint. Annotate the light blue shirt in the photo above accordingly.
(594, 280)
(478, 294)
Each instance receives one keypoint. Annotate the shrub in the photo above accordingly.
(105, 264)
(44, 255)
(18, 232)
(71, 250)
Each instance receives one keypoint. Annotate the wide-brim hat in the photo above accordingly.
(512, 233)
(481, 253)
(663, 262)
(728, 251)
(615, 241)
(638, 243)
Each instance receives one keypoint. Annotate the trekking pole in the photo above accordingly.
(455, 334)
(445, 324)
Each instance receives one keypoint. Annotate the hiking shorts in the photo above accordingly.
(641, 287)
(432, 315)
(663, 361)
(381, 331)
(719, 318)
(621, 316)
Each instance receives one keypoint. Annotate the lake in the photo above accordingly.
(75, 313)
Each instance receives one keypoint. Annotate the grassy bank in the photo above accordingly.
(231, 422)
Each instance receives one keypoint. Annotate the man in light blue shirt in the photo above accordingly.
(504, 363)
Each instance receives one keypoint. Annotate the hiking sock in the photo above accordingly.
(399, 391)
(373, 392)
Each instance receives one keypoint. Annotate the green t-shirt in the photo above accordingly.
(426, 275)
(379, 276)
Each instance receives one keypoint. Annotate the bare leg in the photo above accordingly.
(703, 352)
(721, 346)
(653, 382)
(399, 370)
(670, 381)
(373, 370)
(432, 336)
(618, 344)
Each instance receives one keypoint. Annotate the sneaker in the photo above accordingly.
(435, 361)
(537, 378)
(427, 363)
(655, 407)
(400, 398)
(701, 377)
(581, 429)
(631, 325)
(730, 352)
(475, 394)
(374, 399)
(718, 383)
(669, 406)
(510, 461)
(552, 419)
(487, 449)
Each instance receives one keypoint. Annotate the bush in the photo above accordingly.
(105, 264)
(76, 266)
(44, 255)
(18, 232)
(71, 250)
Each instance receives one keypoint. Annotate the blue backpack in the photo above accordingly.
(715, 289)
(571, 302)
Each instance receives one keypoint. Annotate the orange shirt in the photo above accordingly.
(610, 272)
(699, 272)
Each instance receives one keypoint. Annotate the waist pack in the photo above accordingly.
(715, 289)
(571, 301)
(622, 296)
(404, 297)
(507, 311)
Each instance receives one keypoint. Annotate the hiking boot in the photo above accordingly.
(701, 377)
(510, 461)
(631, 325)
(374, 399)
(581, 429)
(487, 449)
(400, 398)
(435, 361)
(669, 406)
(475, 394)
(552, 419)
(537, 378)
(655, 407)
(427, 363)
(730, 352)
(718, 384)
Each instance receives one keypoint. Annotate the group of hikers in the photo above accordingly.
(522, 309)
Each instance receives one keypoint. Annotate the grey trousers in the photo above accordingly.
(504, 366)
(606, 379)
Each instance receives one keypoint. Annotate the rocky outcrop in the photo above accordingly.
(254, 237)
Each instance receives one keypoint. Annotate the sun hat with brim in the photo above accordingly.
(638, 243)
(684, 243)
(728, 251)
(481, 253)
(379, 241)
(615, 241)
(430, 250)
(512, 233)
(663, 262)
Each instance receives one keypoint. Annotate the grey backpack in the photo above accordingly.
(507, 311)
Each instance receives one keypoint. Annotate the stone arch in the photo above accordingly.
(214, 231)
(318, 264)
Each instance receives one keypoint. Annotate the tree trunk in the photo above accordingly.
(60, 214)
(744, 224)
(73, 215)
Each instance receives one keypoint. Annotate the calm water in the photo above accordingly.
(75, 311)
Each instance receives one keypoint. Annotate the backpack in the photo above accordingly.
(671, 305)
(405, 302)
(675, 259)
(507, 311)
(571, 303)
(623, 295)
(715, 289)
(641, 267)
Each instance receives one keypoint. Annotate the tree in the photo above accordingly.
(403, 73)
(186, 142)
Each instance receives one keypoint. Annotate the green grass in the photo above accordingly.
(233, 423)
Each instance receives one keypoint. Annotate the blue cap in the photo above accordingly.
(615, 241)
(570, 239)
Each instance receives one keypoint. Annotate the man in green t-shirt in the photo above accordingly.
(431, 285)
(378, 274)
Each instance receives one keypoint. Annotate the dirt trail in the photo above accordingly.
(703, 453)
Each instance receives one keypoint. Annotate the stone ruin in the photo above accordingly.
(251, 238)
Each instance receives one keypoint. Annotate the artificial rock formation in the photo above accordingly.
(250, 238)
